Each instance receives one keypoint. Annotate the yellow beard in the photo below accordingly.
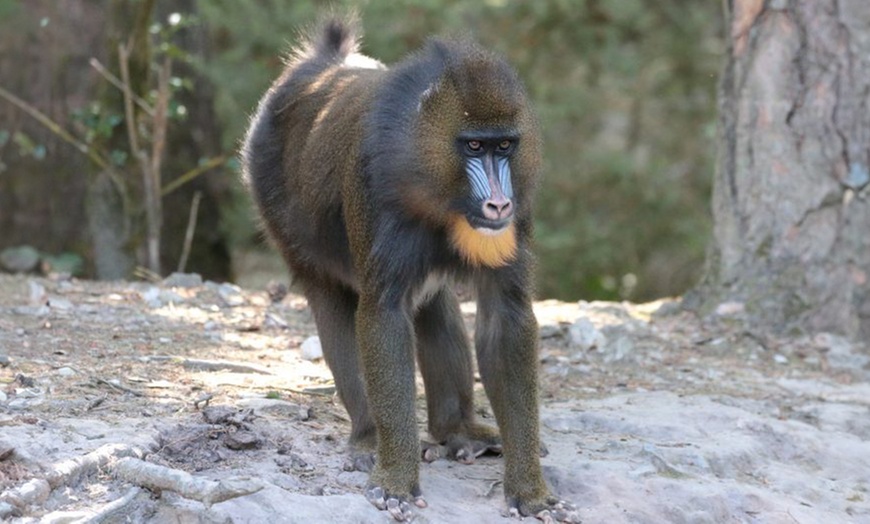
(483, 250)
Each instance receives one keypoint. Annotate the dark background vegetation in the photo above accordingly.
(625, 90)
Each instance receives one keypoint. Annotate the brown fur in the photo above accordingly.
(359, 175)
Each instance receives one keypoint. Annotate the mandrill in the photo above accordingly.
(380, 187)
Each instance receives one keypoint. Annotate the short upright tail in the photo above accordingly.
(335, 38)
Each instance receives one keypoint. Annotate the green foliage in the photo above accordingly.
(27, 146)
(625, 91)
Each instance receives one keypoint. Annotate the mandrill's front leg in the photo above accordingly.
(386, 342)
(506, 339)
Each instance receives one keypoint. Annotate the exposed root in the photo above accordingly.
(124, 462)
(155, 477)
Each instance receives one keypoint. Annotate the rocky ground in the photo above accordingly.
(650, 414)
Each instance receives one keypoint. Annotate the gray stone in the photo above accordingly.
(20, 259)
(60, 303)
(186, 280)
(231, 294)
(36, 293)
(241, 440)
(584, 335)
(311, 349)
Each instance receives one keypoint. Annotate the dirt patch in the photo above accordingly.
(708, 422)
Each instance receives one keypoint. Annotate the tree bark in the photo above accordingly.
(790, 198)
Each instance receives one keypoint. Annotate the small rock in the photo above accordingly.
(20, 259)
(584, 335)
(166, 297)
(241, 440)
(293, 462)
(274, 321)
(840, 352)
(5, 361)
(311, 349)
(60, 303)
(3, 396)
(231, 294)
(66, 371)
(217, 414)
(36, 293)
(277, 290)
(35, 491)
(550, 331)
(354, 479)
(729, 309)
(780, 359)
(619, 349)
(186, 280)
(151, 296)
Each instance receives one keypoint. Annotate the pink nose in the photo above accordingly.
(497, 208)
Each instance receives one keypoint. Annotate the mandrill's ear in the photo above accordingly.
(427, 96)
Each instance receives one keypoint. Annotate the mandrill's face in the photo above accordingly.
(484, 234)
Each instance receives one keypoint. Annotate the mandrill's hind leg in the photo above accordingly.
(444, 355)
(334, 309)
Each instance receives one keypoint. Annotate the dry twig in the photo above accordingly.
(155, 477)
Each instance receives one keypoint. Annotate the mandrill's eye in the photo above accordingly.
(504, 145)
(474, 145)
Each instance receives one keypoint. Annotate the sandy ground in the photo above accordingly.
(650, 414)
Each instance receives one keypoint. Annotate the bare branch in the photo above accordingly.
(55, 128)
(193, 173)
(188, 235)
(115, 81)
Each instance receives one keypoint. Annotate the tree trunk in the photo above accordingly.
(790, 198)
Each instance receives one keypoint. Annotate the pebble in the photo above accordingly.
(66, 371)
(5, 361)
(231, 294)
(36, 292)
(780, 359)
(151, 296)
(584, 335)
(21, 259)
(273, 320)
(311, 349)
(242, 440)
(727, 309)
(186, 280)
(60, 303)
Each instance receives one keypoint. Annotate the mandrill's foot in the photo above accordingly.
(551, 510)
(360, 461)
(464, 446)
(361, 455)
(398, 506)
